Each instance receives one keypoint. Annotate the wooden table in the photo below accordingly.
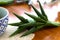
(45, 34)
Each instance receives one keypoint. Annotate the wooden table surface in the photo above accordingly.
(45, 34)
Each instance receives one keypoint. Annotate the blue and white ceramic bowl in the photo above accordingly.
(3, 19)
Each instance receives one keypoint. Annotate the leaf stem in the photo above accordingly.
(49, 23)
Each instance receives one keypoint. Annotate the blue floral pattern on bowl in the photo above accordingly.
(3, 25)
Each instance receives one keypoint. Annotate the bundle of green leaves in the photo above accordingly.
(39, 21)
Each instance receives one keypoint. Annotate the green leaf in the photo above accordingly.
(29, 31)
(16, 32)
(38, 13)
(55, 24)
(28, 25)
(32, 30)
(21, 18)
(42, 11)
(38, 19)
(22, 28)
(16, 24)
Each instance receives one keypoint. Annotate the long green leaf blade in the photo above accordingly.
(16, 24)
(36, 18)
(38, 13)
(32, 30)
(24, 27)
(21, 28)
(42, 11)
(21, 18)
(29, 31)
(16, 32)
